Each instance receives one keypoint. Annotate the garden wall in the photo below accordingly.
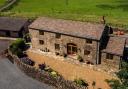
(8, 5)
(59, 82)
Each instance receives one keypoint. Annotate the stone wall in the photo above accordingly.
(59, 82)
(8, 5)
(50, 40)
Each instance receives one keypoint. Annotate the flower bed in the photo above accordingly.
(46, 76)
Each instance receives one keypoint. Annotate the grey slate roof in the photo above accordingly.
(115, 46)
(68, 27)
(12, 24)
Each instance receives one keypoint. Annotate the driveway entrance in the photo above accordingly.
(12, 78)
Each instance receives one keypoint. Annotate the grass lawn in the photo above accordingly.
(2, 2)
(116, 11)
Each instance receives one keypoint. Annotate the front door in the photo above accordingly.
(71, 48)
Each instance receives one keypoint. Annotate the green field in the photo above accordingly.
(2, 2)
(116, 11)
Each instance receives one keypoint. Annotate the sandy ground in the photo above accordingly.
(71, 71)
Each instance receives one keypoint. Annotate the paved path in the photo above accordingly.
(12, 78)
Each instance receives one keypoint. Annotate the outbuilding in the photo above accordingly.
(13, 27)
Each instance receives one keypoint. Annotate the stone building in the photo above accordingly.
(114, 52)
(71, 38)
(13, 27)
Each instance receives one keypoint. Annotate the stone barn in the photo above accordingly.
(13, 27)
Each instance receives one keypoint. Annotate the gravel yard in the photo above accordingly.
(71, 71)
(4, 44)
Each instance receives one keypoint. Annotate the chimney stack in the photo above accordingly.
(103, 21)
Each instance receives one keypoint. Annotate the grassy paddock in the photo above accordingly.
(2, 2)
(116, 11)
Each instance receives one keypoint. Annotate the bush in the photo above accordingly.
(48, 69)
(80, 58)
(57, 53)
(122, 74)
(19, 53)
(93, 83)
(17, 47)
(114, 84)
(124, 65)
(54, 74)
(81, 82)
(65, 55)
(20, 43)
(42, 66)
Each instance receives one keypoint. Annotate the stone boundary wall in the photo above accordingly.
(58, 82)
(8, 5)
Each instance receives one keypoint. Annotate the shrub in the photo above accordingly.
(56, 53)
(124, 65)
(48, 69)
(17, 47)
(42, 66)
(113, 83)
(65, 55)
(93, 84)
(80, 58)
(81, 82)
(19, 53)
(122, 82)
(54, 74)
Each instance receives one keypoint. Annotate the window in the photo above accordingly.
(58, 35)
(71, 48)
(86, 52)
(41, 42)
(57, 46)
(109, 56)
(89, 41)
(41, 32)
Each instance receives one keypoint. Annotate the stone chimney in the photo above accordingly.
(103, 21)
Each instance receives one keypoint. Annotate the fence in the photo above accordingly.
(8, 5)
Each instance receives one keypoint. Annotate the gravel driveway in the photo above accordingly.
(12, 78)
